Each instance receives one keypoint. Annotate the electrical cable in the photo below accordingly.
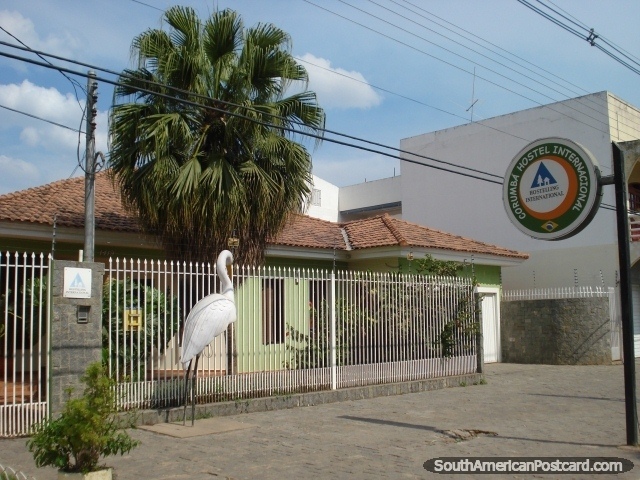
(38, 118)
(457, 43)
(578, 101)
(419, 102)
(510, 90)
(184, 92)
(147, 5)
(572, 91)
(591, 31)
(280, 127)
(73, 84)
(49, 65)
(495, 47)
(591, 37)
(187, 102)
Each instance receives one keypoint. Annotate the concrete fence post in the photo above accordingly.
(76, 326)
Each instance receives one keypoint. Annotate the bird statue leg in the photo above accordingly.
(194, 384)
(186, 387)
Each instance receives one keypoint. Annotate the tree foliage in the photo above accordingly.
(128, 349)
(440, 268)
(202, 152)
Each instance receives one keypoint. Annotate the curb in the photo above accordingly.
(293, 400)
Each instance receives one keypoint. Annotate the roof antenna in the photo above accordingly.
(473, 94)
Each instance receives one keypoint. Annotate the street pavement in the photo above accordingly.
(521, 411)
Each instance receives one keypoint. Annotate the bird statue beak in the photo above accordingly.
(230, 271)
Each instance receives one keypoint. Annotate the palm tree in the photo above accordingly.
(203, 151)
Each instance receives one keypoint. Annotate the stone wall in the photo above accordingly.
(570, 331)
(74, 344)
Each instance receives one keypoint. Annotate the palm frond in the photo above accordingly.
(196, 174)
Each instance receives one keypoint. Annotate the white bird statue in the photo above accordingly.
(207, 319)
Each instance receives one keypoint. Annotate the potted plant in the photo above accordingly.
(86, 430)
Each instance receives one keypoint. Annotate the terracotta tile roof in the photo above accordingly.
(65, 199)
(384, 230)
(305, 231)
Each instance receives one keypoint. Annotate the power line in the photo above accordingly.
(591, 37)
(74, 130)
(382, 89)
(73, 84)
(147, 5)
(280, 127)
(419, 102)
(578, 101)
(510, 90)
(538, 68)
(590, 31)
(455, 42)
(184, 92)
(537, 72)
(292, 130)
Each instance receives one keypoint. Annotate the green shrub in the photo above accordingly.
(160, 315)
(86, 430)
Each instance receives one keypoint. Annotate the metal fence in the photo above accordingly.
(9, 473)
(298, 330)
(556, 292)
(24, 328)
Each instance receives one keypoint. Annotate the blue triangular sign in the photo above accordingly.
(543, 177)
(77, 282)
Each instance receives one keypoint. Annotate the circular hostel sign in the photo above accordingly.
(552, 189)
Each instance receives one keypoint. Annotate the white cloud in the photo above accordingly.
(338, 88)
(40, 101)
(30, 136)
(49, 105)
(48, 152)
(23, 28)
(17, 174)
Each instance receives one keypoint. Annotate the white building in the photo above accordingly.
(471, 207)
(468, 206)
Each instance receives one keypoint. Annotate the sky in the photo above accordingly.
(383, 70)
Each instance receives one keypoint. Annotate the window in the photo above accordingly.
(273, 311)
(316, 197)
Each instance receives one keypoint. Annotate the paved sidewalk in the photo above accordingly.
(522, 410)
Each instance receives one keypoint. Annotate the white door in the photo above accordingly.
(490, 325)
(635, 296)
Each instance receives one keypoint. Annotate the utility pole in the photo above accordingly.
(90, 167)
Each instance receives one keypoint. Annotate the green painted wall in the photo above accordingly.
(253, 353)
(487, 275)
(306, 263)
(69, 251)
